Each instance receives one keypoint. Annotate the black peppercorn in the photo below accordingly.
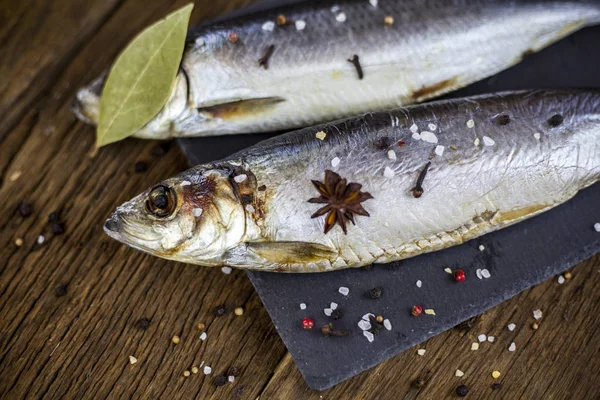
(418, 383)
(143, 323)
(375, 293)
(496, 386)
(220, 380)
(336, 314)
(233, 371)
(25, 209)
(219, 311)
(58, 228)
(462, 391)
(60, 291)
(53, 217)
(140, 167)
(161, 149)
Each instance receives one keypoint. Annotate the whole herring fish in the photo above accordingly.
(311, 63)
(376, 188)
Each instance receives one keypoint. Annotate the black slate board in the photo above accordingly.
(517, 257)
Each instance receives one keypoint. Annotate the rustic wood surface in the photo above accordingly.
(69, 308)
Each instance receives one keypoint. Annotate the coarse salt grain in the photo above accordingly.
(373, 2)
(475, 346)
(226, 270)
(419, 283)
(387, 324)
(481, 247)
(428, 137)
(344, 290)
(185, 183)
(335, 8)
(511, 327)
(250, 208)
(388, 172)
(367, 316)
(485, 273)
(470, 123)
(416, 136)
(207, 370)
(537, 136)
(478, 273)
(561, 280)
(335, 162)
(414, 128)
(488, 141)
(196, 212)
(512, 347)
(203, 336)
(333, 306)
(481, 338)
(459, 373)
(200, 42)
(476, 142)
(302, 306)
(491, 339)
(321, 135)
(392, 155)
(421, 352)
(597, 226)
(370, 337)
(447, 270)
(300, 24)
(240, 178)
(364, 325)
(439, 150)
(537, 314)
(231, 378)
(194, 370)
(15, 175)
(268, 26)
(341, 17)
(432, 127)
(132, 360)
(430, 311)
(41, 239)
(328, 311)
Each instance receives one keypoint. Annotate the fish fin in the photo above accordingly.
(241, 108)
(278, 256)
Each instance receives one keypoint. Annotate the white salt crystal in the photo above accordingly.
(475, 346)
(335, 162)
(203, 336)
(335, 8)
(491, 339)
(369, 336)
(414, 128)
(367, 316)
(300, 24)
(207, 370)
(537, 136)
(132, 360)
(344, 290)
(388, 172)
(488, 141)
(421, 352)
(321, 135)
(561, 280)
(302, 306)
(459, 373)
(597, 226)
(185, 183)
(416, 136)
(373, 2)
(419, 283)
(448, 270)
(481, 247)
(226, 270)
(240, 178)
(249, 208)
(41, 239)
(341, 17)
(200, 42)
(511, 327)
(482, 338)
(478, 273)
(196, 212)
(364, 325)
(231, 378)
(428, 137)
(392, 155)
(268, 26)
(432, 127)
(470, 123)
(328, 311)
(512, 347)
(333, 306)
(537, 314)
(485, 273)
(439, 150)
(476, 142)
(387, 324)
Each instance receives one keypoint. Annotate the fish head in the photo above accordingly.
(195, 218)
(86, 106)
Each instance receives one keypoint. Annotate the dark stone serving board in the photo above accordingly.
(517, 257)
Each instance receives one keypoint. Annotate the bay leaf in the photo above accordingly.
(141, 80)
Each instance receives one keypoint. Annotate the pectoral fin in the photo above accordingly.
(242, 108)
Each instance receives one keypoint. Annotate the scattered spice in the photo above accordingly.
(421, 352)
(418, 190)
(474, 346)
(388, 20)
(535, 326)
(568, 275)
(308, 324)
(379, 319)
(328, 330)
(336, 314)
(220, 310)
(418, 383)
(186, 373)
(238, 311)
(282, 20)
(207, 370)
(416, 310)
(175, 340)
(454, 147)
(459, 373)
(382, 143)
(321, 135)
(201, 327)
(401, 143)
(194, 370)
(61, 290)
(140, 167)
(355, 61)
(15, 175)
(53, 217)
(512, 347)
(19, 242)
(132, 360)
(262, 188)
(264, 60)
(233, 37)
(220, 380)
(496, 374)
(459, 275)
(537, 314)
(496, 386)
(25, 209)
(233, 371)
(462, 390)
(375, 293)
(57, 228)
(430, 311)
(142, 323)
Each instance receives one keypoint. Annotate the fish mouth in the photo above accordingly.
(116, 228)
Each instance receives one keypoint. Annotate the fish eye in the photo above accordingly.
(161, 201)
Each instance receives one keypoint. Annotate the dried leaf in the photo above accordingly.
(141, 80)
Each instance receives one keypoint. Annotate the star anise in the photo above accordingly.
(342, 200)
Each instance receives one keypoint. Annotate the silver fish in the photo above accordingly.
(432, 47)
(376, 188)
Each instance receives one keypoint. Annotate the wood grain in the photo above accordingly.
(78, 345)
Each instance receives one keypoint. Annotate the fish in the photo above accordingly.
(316, 62)
(376, 188)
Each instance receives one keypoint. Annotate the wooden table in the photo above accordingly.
(70, 307)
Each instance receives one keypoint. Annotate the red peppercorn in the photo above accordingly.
(459, 275)
(308, 324)
(417, 310)
(233, 37)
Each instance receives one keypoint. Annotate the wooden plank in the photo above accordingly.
(77, 345)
